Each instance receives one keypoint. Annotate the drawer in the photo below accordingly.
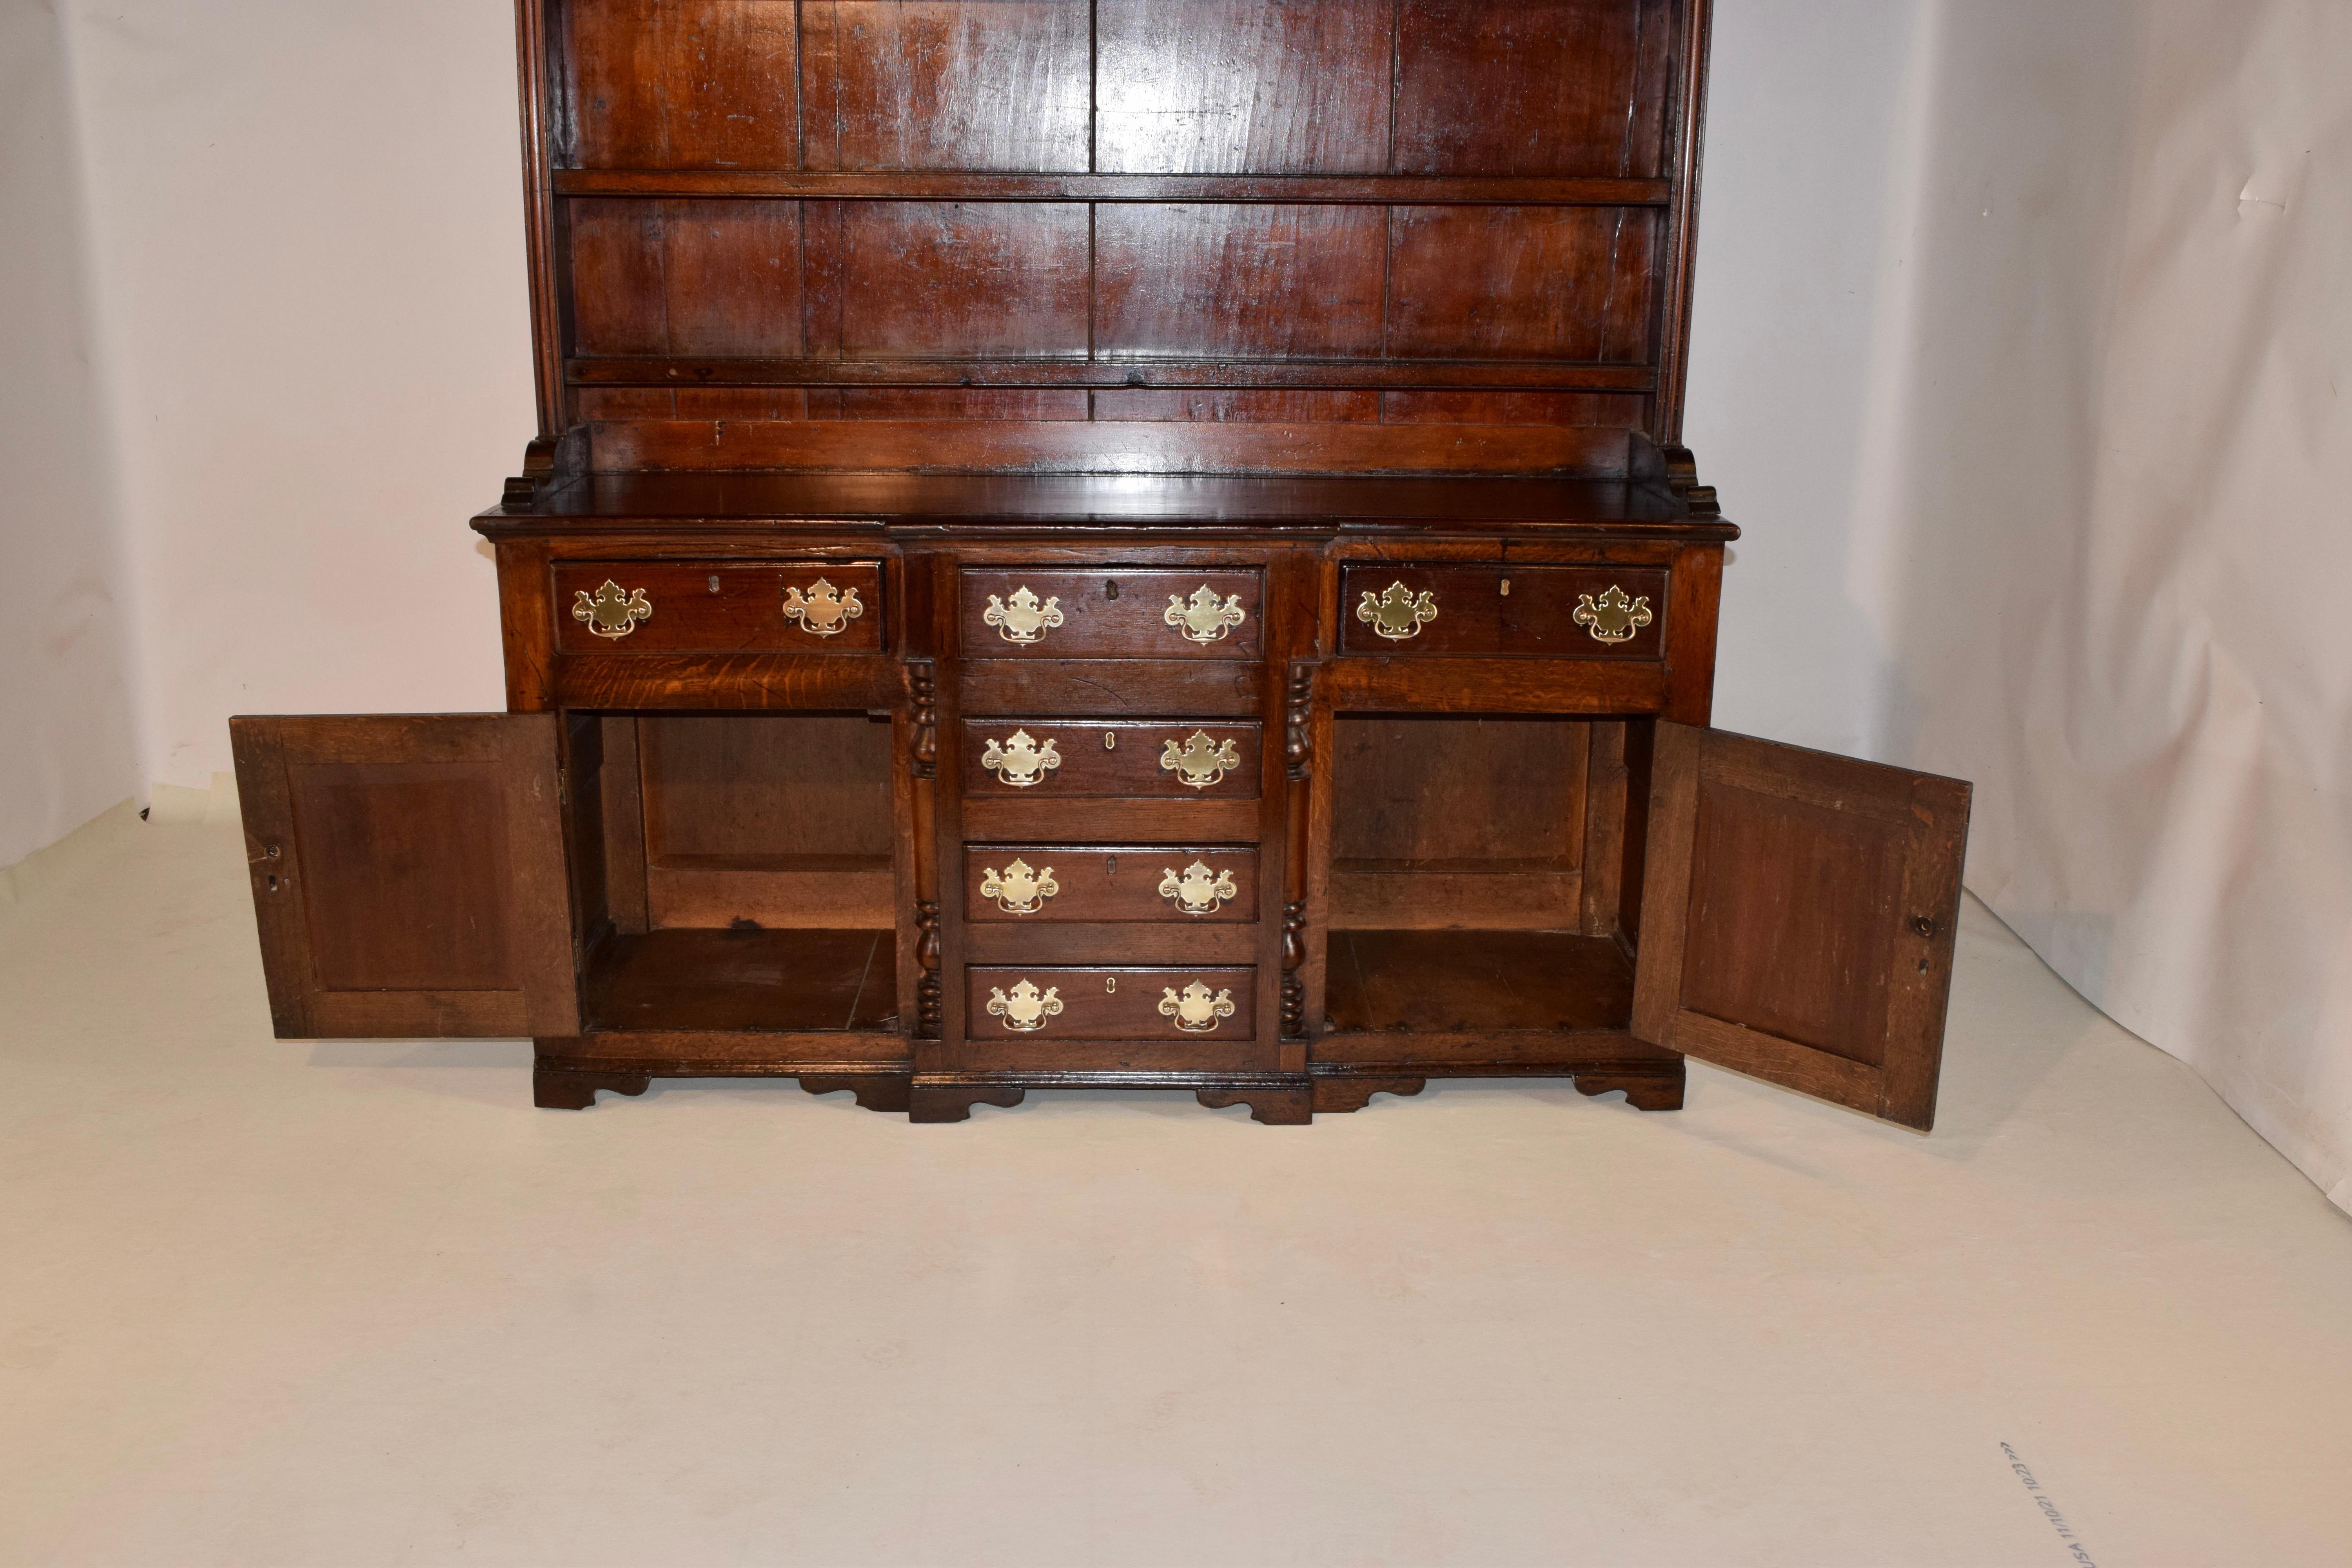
(1114, 611)
(1542, 612)
(1163, 759)
(1109, 1003)
(1110, 883)
(716, 607)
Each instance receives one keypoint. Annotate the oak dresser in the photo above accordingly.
(1109, 542)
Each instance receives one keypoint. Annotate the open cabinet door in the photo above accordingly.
(1798, 918)
(408, 874)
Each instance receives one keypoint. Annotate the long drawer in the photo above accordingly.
(1047, 1003)
(1112, 612)
(1499, 610)
(1153, 759)
(1110, 883)
(719, 606)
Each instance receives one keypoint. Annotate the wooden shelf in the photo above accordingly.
(951, 185)
(1452, 982)
(767, 982)
(1123, 375)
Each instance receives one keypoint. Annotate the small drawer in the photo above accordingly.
(1053, 1003)
(1109, 884)
(698, 606)
(1535, 612)
(1164, 758)
(1115, 612)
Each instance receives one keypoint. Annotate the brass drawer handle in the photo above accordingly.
(1020, 890)
(610, 613)
(1020, 762)
(1205, 619)
(1195, 1012)
(1021, 619)
(1612, 617)
(1200, 891)
(1199, 761)
(823, 610)
(1027, 1009)
(1397, 612)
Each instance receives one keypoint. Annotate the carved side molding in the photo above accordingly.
(1298, 716)
(1673, 470)
(923, 700)
(926, 959)
(1294, 984)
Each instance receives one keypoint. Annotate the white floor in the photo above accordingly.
(274, 1302)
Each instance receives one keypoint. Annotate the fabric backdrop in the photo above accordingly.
(2019, 352)
(2107, 550)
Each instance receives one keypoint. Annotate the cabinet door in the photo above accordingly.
(408, 874)
(1798, 918)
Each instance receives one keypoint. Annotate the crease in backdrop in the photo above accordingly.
(2111, 581)
(2020, 350)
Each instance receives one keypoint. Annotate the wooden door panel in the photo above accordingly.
(1799, 917)
(408, 874)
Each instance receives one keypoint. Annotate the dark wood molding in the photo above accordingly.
(950, 185)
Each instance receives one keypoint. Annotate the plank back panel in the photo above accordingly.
(758, 205)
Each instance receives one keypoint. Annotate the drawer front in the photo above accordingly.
(1115, 612)
(1541, 612)
(1054, 1003)
(715, 606)
(1110, 883)
(1163, 759)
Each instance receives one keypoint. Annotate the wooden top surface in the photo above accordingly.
(761, 500)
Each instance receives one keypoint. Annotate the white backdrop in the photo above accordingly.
(2016, 352)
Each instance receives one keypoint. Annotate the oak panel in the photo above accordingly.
(1267, 282)
(684, 83)
(936, 84)
(1516, 283)
(1520, 87)
(686, 277)
(924, 278)
(1243, 87)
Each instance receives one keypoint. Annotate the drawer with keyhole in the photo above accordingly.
(1048, 1002)
(1117, 611)
(1110, 884)
(719, 606)
(1499, 610)
(1164, 758)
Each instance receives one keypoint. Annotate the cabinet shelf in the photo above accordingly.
(764, 982)
(1451, 982)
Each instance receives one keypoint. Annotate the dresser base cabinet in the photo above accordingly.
(1192, 584)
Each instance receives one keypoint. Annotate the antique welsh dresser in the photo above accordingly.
(1135, 543)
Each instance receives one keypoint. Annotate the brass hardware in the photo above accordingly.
(1020, 761)
(1199, 761)
(1110, 865)
(1397, 612)
(1507, 587)
(610, 613)
(1612, 617)
(1027, 1009)
(1200, 891)
(823, 610)
(714, 582)
(1020, 890)
(1110, 984)
(1924, 925)
(1110, 740)
(1021, 619)
(1196, 1012)
(1110, 587)
(1205, 619)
